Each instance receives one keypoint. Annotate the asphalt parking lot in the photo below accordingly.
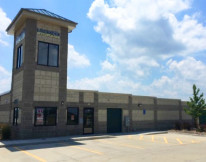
(133, 147)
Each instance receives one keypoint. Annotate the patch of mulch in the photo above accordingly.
(192, 132)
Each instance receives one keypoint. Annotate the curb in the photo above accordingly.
(56, 141)
(160, 132)
(91, 138)
(188, 133)
(32, 143)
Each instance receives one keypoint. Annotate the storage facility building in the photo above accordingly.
(39, 103)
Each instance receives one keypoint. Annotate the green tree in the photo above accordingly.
(196, 106)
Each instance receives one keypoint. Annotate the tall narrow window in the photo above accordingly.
(45, 116)
(72, 115)
(48, 54)
(19, 56)
(15, 116)
(53, 55)
(43, 53)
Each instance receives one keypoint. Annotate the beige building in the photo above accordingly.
(39, 103)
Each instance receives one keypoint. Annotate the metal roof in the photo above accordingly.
(23, 13)
(47, 13)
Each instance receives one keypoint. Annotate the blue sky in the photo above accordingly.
(144, 47)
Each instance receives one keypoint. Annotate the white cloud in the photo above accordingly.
(108, 66)
(4, 21)
(141, 36)
(108, 82)
(75, 59)
(185, 73)
(189, 68)
(133, 34)
(137, 38)
(130, 31)
(5, 80)
(190, 32)
(92, 84)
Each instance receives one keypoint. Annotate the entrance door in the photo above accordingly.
(88, 121)
(114, 120)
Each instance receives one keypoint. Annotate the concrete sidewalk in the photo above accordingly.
(9, 143)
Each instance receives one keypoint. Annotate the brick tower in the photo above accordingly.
(39, 75)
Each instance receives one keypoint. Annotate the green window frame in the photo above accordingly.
(48, 54)
(19, 59)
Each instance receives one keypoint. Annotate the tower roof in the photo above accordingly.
(39, 14)
(47, 13)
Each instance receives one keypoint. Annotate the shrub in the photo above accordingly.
(178, 126)
(187, 125)
(202, 128)
(199, 130)
(6, 132)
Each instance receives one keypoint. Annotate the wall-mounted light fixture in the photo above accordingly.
(16, 101)
(62, 102)
(139, 105)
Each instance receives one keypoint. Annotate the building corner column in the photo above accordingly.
(155, 114)
(130, 128)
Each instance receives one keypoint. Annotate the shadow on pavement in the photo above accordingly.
(43, 146)
(61, 141)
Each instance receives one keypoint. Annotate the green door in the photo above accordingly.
(203, 118)
(114, 120)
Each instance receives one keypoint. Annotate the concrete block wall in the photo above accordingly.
(163, 101)
(144, 116)
(4, 116)
(168, 113)
(137, 115)
(46, 86)
(5, 99)
(89, 97)
(102, 115)
(17, 86)
(143, 100)
(185, 117)
(72, 95)
(5, 108)
(112, 98)
(154, 113)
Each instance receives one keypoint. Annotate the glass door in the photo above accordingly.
(88, 121)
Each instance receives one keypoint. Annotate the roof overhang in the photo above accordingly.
(24, 14)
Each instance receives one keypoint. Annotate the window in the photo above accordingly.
(45, 116)
(72, 116)
(19, 56)
(15, 116)
(48, 54)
